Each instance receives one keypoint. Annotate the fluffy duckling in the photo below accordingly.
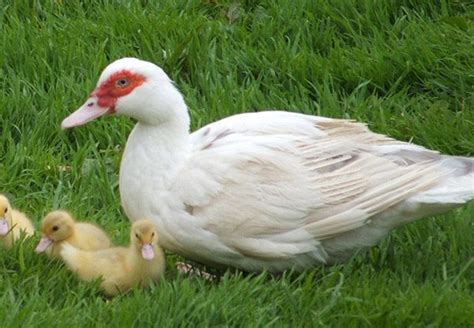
(121, 268)
(12, 222)
(59, 227)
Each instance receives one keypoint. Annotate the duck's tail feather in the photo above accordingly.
(457, 186)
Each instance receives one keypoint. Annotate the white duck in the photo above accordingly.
(269, 190)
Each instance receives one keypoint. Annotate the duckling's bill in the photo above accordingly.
(147, 252)
(3, 227)
(43, 244)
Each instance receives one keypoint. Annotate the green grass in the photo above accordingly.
(404, 67)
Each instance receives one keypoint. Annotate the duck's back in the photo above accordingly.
(111, 264)
(275, 190)
(88, 236)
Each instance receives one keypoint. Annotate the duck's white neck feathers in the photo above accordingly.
(155, 151)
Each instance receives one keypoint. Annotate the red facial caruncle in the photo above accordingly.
(117, 85)
(104, 98)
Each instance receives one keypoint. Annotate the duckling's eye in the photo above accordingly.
(55, 228)
(136, 235)
(6, 209)
(153, 234)
(122, 82)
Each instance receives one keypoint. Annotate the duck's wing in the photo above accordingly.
(276, 184)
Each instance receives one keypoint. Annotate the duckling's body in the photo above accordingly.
(121, 268)
(12, 223)
(59, 227)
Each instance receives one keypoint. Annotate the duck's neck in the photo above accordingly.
(151, 160)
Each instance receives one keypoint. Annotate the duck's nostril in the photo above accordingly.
(90, 104)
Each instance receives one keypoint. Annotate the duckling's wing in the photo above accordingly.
(22, 223)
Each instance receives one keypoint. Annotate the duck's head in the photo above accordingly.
(143, 236)
(5, 215)
(135, 88)
(56, 226)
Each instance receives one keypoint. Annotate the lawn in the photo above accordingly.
(405, 67)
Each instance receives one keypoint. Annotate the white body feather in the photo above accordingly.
(274, 190)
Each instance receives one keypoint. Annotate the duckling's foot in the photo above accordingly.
(193, 271)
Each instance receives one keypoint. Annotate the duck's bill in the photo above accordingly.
(43, 244)
(3, 227)
(86, 113)
(147, 252)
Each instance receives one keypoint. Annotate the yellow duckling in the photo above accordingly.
(121, 268)
(12, 222)
(59, 227)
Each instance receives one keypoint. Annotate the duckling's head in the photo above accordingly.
(5, 215)
(56, 226)
(143, 237)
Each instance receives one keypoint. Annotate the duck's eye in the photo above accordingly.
(122, 82)
(6, 209)
(136, 235)
(153, 234)
(55, 228)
